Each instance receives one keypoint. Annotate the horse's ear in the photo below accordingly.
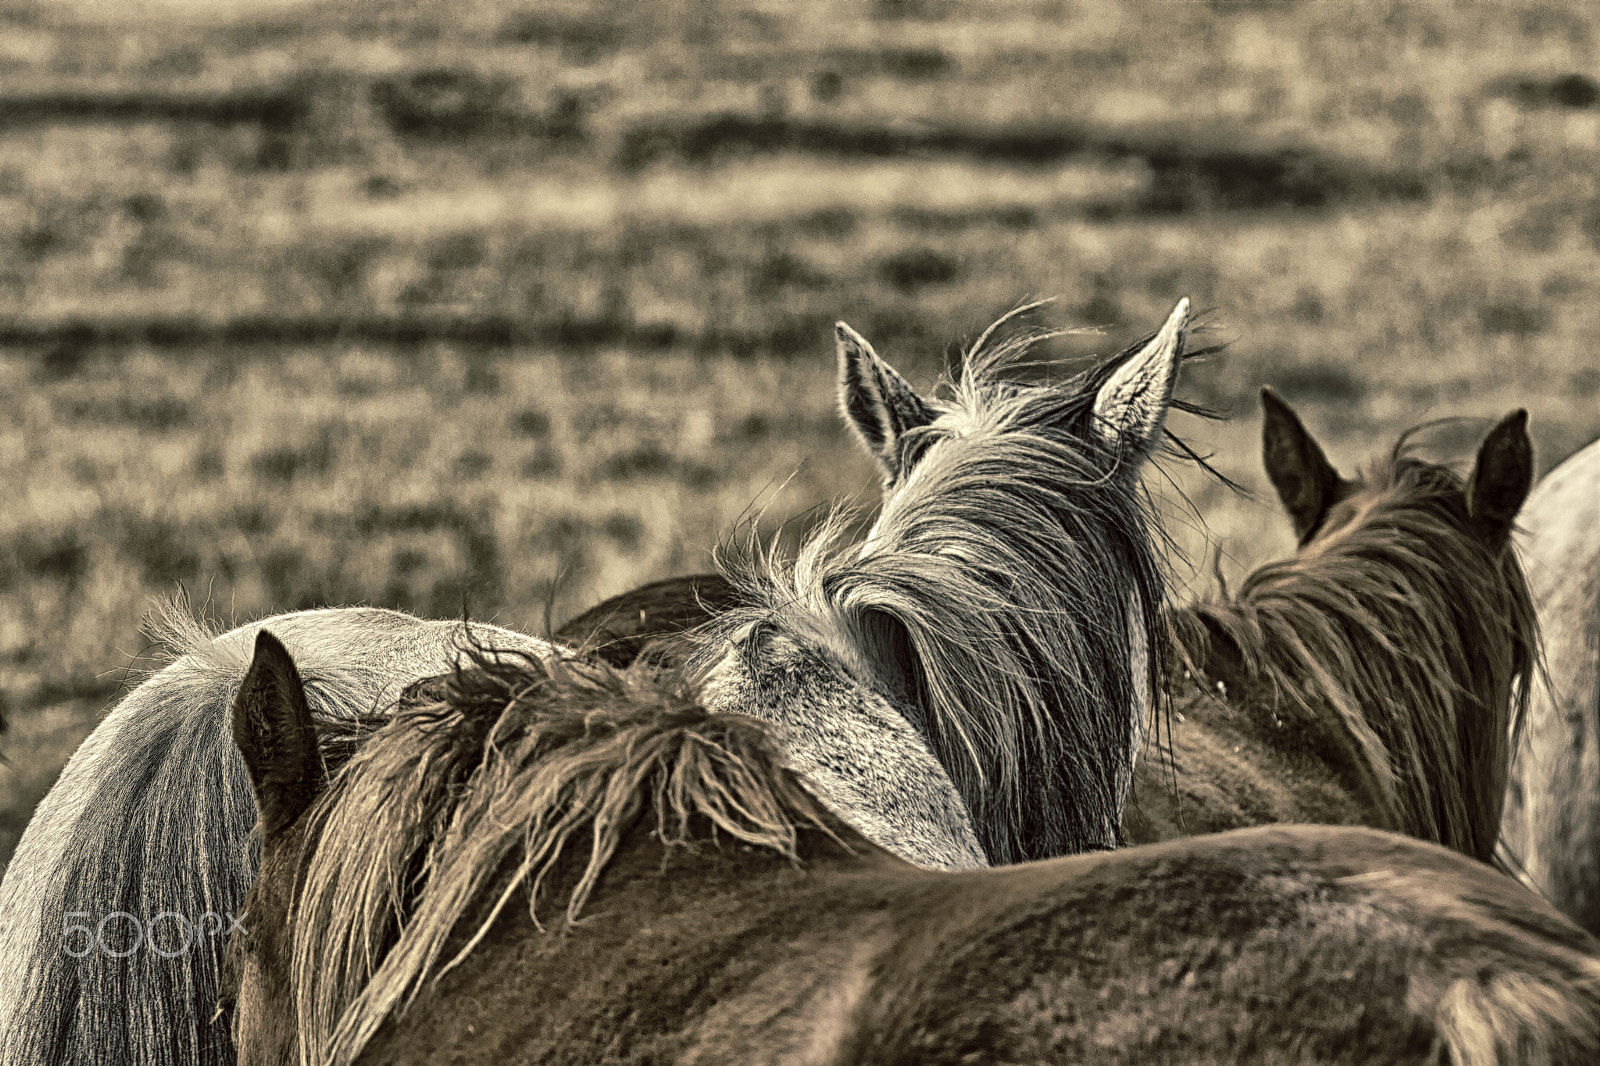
(877, 402)
(1131, 406)
(272, 726)
(1500, 479)
(1306, 482)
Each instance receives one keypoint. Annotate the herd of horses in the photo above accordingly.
(966, 787)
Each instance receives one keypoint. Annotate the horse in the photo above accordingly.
(1370, 678)
(1551, 826)
(645, 619)
(1006, 603)
(555, 861)
(135, 862)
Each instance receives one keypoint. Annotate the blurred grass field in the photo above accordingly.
(509, 306)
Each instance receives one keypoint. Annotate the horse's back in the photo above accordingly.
(1552, 815)
(622, 627)
(1273, 945)
(152, 815)
(1270, 945)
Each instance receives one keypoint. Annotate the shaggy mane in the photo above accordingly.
(978, 601)
(498, 765)
(1404, 624)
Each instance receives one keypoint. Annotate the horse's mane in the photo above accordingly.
(1405, 625)
(498, 766)
(978, 602)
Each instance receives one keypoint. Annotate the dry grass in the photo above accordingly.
(423, 304)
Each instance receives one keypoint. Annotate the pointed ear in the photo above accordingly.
(877, 402)
(1500, 479)
(1306, 482)
(1131, 407)
(272, 726)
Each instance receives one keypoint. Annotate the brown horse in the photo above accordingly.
(1368, 679)
(1371, 677)
(563, 863)
(622, 628)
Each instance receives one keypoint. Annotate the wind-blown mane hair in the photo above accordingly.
(503, 764)
(1419, 638)
(977, 603)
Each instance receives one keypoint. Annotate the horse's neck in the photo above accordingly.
(1214, 764)
(1234, 751)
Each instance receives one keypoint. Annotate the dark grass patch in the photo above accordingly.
(781, 269)
(165, 551)
(581, 40)
(482, 375)
(473, 464)
(834, 223)
(208, 465)
(913, 10)
(1189, 170)
(156, 414)
(254, 519)
(780, 335)
(61, 361)
(474, 533)
(1512, 318)
(918, 268)
(1585, 383)
(295, 583)
(1308, 307)
(754, 427)
(1572, 91)
(905, 64)
(1006, 216)
(289, 462)
(450, 103)
(624, 528)
(272, 108)
(700, 477)
(435, 559)
(61, 557)
(544, 463)
(645, 460)
(531, 423)
(1319, 383)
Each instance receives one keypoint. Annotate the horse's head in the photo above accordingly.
(1115, 410)
(273, 727)
(1321, 502)
(1007, 602)
(1405, 594)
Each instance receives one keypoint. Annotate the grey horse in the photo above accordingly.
(1007, 603)
(1550, 830)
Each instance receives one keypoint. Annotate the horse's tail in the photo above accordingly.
(115, 908)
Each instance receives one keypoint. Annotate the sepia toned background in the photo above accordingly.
(508, 305)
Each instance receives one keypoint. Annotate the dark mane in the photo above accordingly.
(498, 766)
(1401, 623)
